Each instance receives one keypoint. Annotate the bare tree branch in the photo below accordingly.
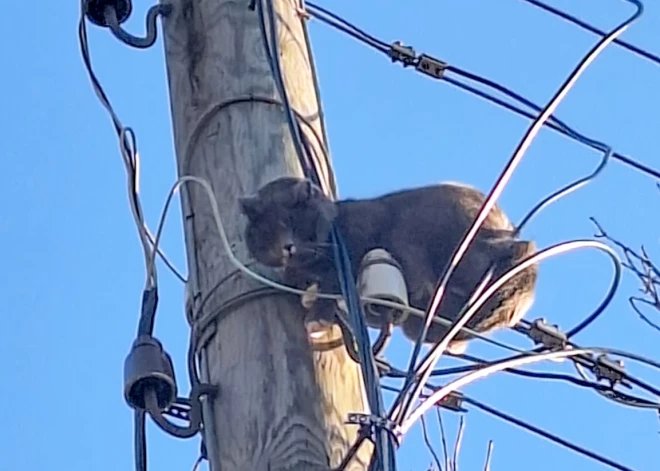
(429, 445)
(641, 265)
(457, 445)
(443, 437)
(488, 455)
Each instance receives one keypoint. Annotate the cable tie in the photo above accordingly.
(372, 422)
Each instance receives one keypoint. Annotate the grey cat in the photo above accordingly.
(289, 224)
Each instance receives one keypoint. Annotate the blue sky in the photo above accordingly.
(72, 268)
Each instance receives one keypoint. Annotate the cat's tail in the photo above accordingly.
(522, 286)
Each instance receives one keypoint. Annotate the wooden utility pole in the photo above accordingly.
(280, 405)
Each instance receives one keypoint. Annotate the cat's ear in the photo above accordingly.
(251, 206)
(305, 190)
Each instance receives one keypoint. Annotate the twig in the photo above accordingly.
(642, 316)
(647, 272)
(488, 455)
(443, 437)
(457, 445)
(429, 445)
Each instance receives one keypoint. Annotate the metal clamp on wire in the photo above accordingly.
(431, 66)
(369, 423)
(112, 13)
(404, 54)
(186, 410)
(548, 335)
(611, 370)
(453, 402)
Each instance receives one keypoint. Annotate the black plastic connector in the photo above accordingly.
(148, 368)
(95, 10)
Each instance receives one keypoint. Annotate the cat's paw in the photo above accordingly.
(311, 295)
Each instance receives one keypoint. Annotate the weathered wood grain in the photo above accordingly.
(280, 405)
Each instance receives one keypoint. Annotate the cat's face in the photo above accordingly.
(289, 220)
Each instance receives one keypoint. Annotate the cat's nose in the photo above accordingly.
(289, 249)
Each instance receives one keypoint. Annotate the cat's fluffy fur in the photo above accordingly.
(289, 223)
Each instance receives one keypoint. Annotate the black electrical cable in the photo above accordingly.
(584, 25)
(347, 27)
(545, 434)
(384, 456)
(414, 384)
(552, 122)
(271, 47)
(127, 140)
(140, 440)
(626, 376)
(604, 390)
(531, 428)
(635, 357)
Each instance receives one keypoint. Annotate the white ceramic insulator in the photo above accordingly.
(381, 278)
